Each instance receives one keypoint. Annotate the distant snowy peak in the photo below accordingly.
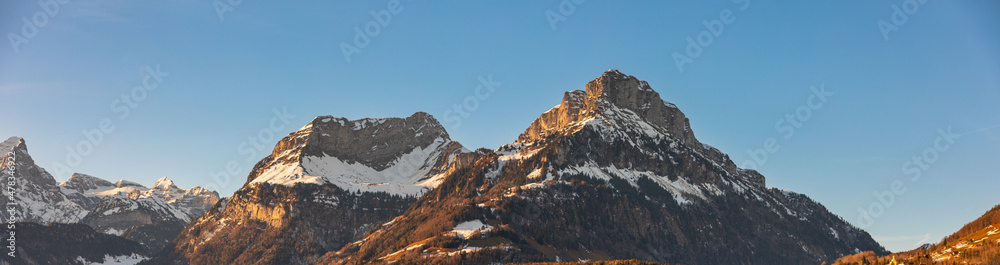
(91, 186)
(163, 188)
(82, 183)
(194, 201)
(89, 192)
(164, 183)
(125, 183)
(394, 155)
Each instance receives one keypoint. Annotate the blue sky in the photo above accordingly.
(222, 79)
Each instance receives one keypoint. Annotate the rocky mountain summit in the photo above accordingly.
(321, 187)
(394, 155)
(603, 96)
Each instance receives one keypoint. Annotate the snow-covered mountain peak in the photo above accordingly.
(621, 114)
(125, 183)
(164, 183)
(89, 192)
(80, 182)
(357, 154)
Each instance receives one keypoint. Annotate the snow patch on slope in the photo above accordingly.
(469, 228)
(682, 190)
(115, 260)
(405, 176)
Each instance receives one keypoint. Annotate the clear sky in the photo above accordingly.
(211, 105)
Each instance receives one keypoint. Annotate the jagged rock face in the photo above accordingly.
(36, 195)
(367, 141)
(321, 187)
(620, 179)
(277, 224)
(622, 91)
(71, 244)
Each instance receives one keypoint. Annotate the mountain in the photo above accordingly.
(87, 191)
(36, 196)
(321, 187)
(612, 172)
(150, 221)
(192, 203)
(978, 242)
(151, 216)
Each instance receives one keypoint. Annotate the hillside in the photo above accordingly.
(978, 242)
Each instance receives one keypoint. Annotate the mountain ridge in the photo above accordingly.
(149, 217)
(578, 166)
(977, 242)
(612, 172)
(38, 198)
